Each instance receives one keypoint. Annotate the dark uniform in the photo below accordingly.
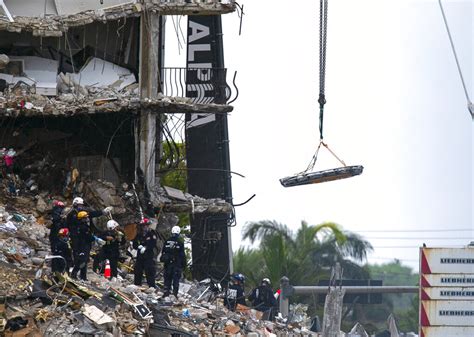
(111, 250)
(58, 223)
(234, 295)
(72, 220)
(62, 248)
(174, 259)
(81, 249)
(146, 261)
(263, 299)
(81, 246)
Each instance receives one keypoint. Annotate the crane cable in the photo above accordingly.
(323, 28)
(470, 106)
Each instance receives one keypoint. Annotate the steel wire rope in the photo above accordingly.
(323, 13)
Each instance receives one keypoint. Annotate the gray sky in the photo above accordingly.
(395, 106)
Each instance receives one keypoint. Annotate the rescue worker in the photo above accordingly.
(72, 220)
(145, 244)
(263, 299)
(82, 244)
(235, 293)
(77, 206)
(58, 223)
(174, 259)
(111, 249)
(61, 247)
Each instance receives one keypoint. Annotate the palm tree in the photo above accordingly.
(305, 256)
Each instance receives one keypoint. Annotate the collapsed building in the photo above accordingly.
(85, 101)
(87, 108)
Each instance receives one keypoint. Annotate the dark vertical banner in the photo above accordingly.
(207, 147)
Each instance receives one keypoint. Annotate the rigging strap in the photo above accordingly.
(315, 157)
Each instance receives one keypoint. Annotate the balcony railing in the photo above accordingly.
(201, 85)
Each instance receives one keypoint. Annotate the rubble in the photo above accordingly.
(4, 60)
(50, 304)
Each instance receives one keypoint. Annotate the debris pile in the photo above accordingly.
(52, 304)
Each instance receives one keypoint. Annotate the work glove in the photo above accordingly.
(99, 241)
(108, 209)
(141, 249)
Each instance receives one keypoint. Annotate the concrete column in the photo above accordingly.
(286, 290)
(149, 84)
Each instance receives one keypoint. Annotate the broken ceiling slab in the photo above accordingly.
(105, 101)
(100, 73)
(185, 105)
(55, 25)
(192, 7)
(174, 193)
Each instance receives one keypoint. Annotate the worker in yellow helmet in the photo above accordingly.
(78, 222)
(82, 244)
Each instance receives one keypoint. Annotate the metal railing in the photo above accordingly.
(201, 85)
(288, 290)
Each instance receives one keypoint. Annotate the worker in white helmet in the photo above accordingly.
(174, 259)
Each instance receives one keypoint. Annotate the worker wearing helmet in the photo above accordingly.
(73, 223)
(82, 244)
(113, 238)
(62, 250)
(174, 259)
(78, 205)
(235, 293)
(61, 247)
(57, 221)
(263, 298)
(145, 244)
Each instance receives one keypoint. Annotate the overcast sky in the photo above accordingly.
(395, 105)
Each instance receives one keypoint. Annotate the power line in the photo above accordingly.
(418, 230)
(469, 103)
(386, 247)
(392, 259)
(417, 238)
